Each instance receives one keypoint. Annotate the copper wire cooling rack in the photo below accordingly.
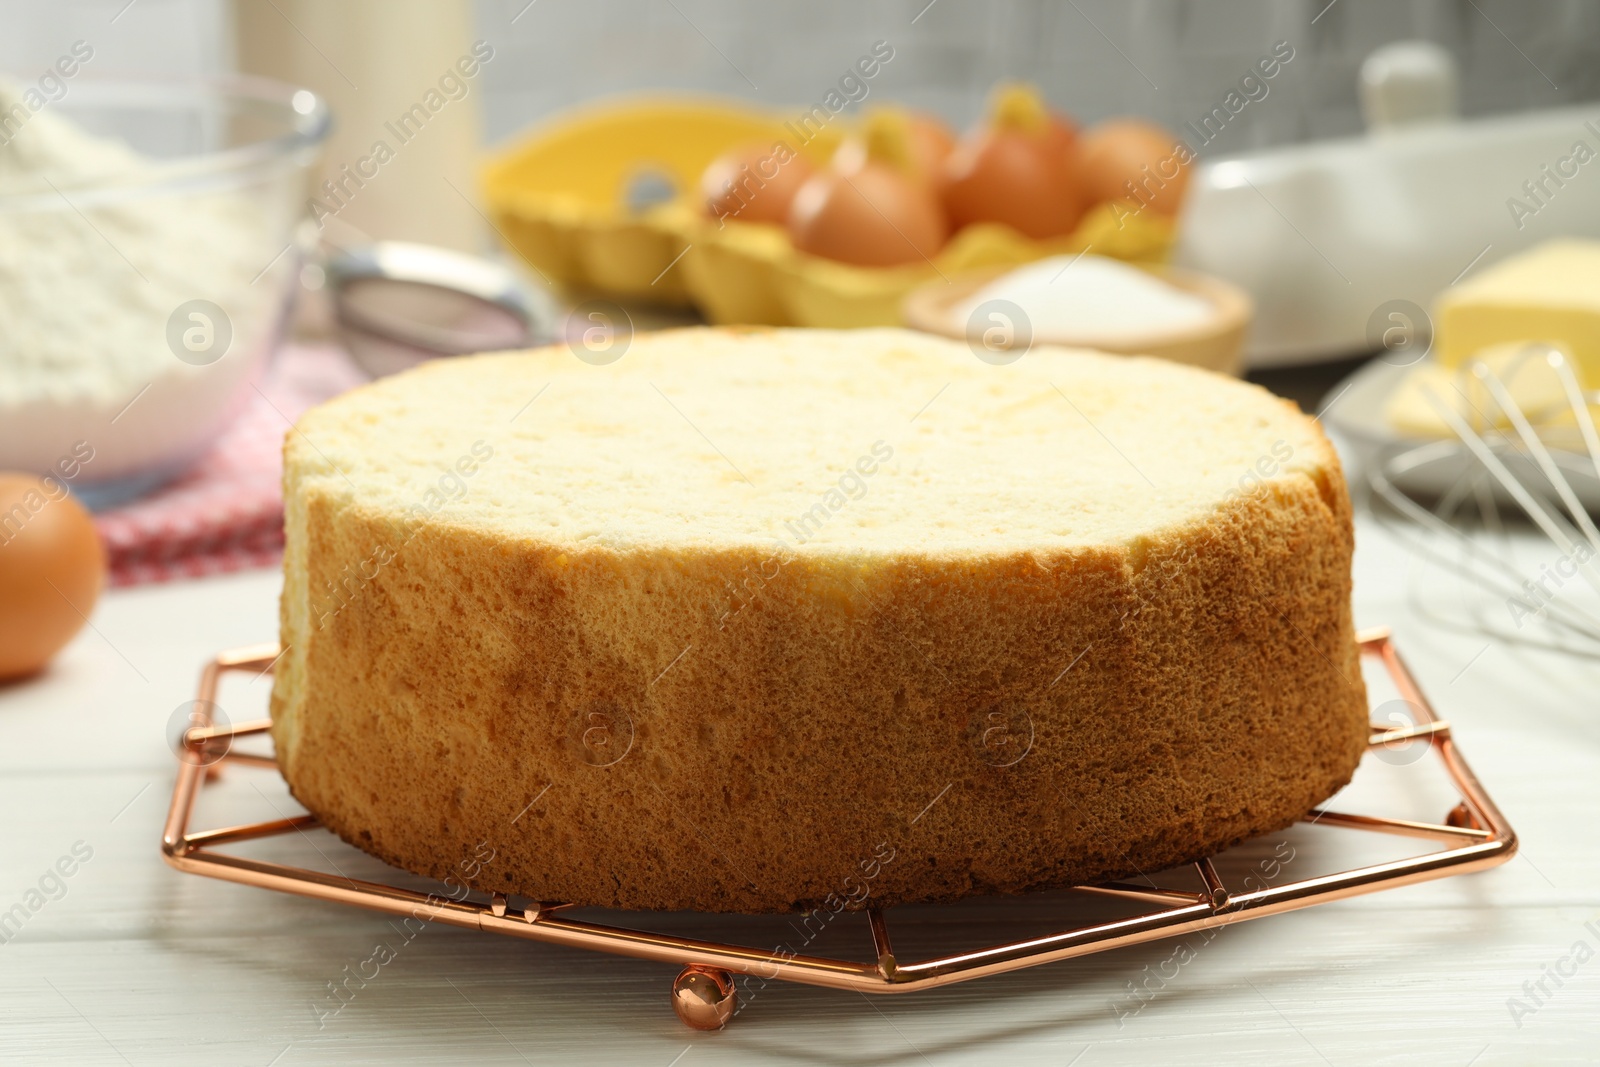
(1475, 835)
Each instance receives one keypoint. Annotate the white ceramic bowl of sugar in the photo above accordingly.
(148, 264)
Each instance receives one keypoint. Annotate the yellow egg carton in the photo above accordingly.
(606, 200)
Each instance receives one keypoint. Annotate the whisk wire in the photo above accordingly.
(1555, 507)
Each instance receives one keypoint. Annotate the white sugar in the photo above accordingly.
(1092, 297)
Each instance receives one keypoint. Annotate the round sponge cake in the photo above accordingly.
(769, 620)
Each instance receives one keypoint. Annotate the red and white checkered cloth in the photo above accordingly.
(226, 512)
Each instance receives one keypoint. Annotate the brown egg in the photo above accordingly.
(1018, 168)
(1129, 159)
(52, 569)
(929, 139)
(876, 217)
(754, 183)
(880, 215)
(932, 141)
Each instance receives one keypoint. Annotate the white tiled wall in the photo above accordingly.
(175, 38)
(1169, 59)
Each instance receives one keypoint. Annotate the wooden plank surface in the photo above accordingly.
(126, 961)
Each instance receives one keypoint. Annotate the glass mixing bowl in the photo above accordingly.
(151, 238)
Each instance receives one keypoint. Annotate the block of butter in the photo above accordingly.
(1519, 366)
(1549, 293)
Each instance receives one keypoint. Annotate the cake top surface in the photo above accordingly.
(872, 441)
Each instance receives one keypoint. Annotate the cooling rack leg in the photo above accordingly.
(704, 997)
(1461, 817)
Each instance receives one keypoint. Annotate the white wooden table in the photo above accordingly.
(136, 963)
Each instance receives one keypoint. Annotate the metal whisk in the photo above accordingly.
(1542, 462)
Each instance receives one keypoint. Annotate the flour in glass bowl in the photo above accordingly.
(89, 279)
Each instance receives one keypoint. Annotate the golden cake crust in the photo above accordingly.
(958, 724)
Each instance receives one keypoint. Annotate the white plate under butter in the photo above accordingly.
(1356, 411)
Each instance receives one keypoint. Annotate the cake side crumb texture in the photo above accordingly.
(725, 623)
